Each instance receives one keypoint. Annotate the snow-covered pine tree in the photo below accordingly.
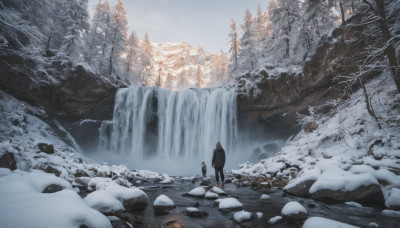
(235, 46)
(247, 54)
(119, 35)
(76, 25)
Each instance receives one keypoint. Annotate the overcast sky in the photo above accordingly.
(198, 22)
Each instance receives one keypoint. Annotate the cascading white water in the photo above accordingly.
(152, 124)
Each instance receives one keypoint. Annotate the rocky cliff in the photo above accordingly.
(287, 93)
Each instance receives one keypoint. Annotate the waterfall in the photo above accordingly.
(156, 124)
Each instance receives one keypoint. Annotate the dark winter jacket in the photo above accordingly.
(218, 158)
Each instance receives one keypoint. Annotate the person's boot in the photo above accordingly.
(223, 185)
(218, 184)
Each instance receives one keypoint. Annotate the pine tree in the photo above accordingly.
(119, 36)
(248, 43)
(131, 51)
(235, 46)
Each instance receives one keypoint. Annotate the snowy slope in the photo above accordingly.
(347, 149)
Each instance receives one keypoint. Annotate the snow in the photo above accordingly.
(229, 203)
(198, 192)
(211, 195)
(391, 213)
(353, 204)
(4, 171)
(265, 196)
(217, 190)
(393, 199)
(259, 214)
(317, 222)
(168, 180)
(120, 192)
(312, 174)
(275, 219)
(192, 209)
(103, 202)
(22, 203)
(163, 200)
(240, 216)
(293, 207)
(338, 179)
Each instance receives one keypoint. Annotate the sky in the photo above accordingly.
(198, 22)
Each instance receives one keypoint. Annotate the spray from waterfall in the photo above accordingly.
(153, 126)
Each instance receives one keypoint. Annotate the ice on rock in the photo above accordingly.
(242, 216)
(192, 209)
(265, 196)
(230, 204)
(25, 197)
(275, 219)
(103, 201)
(318, 222)
(391, 213)
(293, 207)
(198, 192)
(211, 195)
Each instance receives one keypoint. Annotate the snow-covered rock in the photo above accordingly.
(353, 204)
(293, 211)
(218, 190)
(393, 199)
(391, 213)
(301, 185)
(275, 219)
(265, 196)
(26, 205)
(318, 222)
(195, 212)
(131, 198)
(230, 204)
(259, 214)
(103, 201)
(211, 195)
(340, 185)
(163, 202)
(168, 180)
(243, 216)
(197, 192)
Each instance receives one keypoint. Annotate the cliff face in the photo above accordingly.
(63, 89)
(285, 94)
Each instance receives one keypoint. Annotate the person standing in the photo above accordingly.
(204, 169)
(218, 163)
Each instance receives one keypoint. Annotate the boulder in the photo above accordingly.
(194, 212)
(137, 203)
(7, 160)
(50, 169)
(310, 127)
(52, 188)
(294, 212)
(371, 193)
(300, 189)
(46, 148)
(163, 203)
(197, 192)
(81, 173)
(243, 216)
(205, 183)
(230, 204)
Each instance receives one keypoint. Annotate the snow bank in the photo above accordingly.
(318, 222)
(22, 203)
(292, 208)
(241, 216)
